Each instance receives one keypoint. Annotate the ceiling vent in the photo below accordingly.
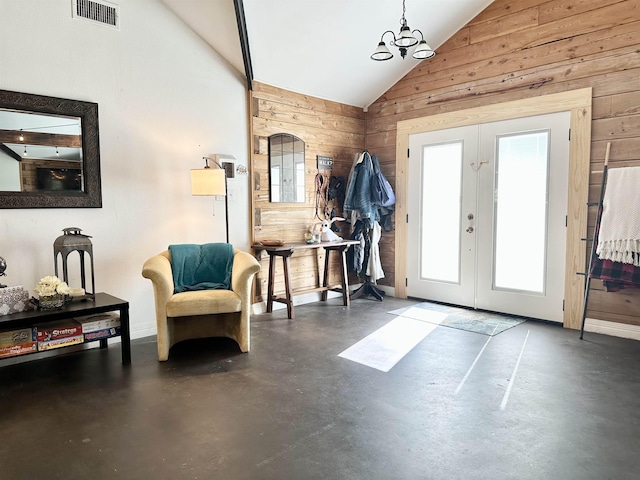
(97, 11)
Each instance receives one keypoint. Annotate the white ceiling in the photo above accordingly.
(322, 47)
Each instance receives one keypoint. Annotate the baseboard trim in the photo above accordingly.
(391, 291)
(261, 307)
(614, 329)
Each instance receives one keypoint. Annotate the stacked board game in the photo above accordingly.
(58, 334)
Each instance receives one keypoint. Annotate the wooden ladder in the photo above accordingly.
(594, 239)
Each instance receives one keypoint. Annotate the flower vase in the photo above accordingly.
(51, 302)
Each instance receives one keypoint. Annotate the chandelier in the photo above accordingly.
(404, 40)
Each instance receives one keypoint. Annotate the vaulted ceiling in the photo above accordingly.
(322, 47)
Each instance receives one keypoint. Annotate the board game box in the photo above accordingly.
(57, 330)
(10, 338)
(21, 349)
(101, 321)
(100, 334)
(60, 342)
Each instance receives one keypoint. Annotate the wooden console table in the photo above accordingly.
(102, 303)
(285, 252)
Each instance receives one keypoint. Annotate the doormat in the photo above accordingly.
(476, 321)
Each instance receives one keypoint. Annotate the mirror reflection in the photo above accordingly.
(40, 152)
(286, 168)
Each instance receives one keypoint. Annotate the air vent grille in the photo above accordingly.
(97, 11)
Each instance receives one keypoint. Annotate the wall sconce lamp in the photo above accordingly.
(209, 181)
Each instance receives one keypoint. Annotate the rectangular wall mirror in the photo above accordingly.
(49, 152)
(286, 168)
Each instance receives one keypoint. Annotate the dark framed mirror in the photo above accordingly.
(49, 152)
(286, 168)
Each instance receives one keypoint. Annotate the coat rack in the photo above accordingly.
(362, 200)
(368, 287)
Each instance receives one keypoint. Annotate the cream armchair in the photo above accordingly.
(202, 313)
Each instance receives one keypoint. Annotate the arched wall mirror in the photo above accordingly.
(49, 152)
(286, 168)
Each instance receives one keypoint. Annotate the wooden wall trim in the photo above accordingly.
(576, 101)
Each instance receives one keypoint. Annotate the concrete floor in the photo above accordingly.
(292, 409)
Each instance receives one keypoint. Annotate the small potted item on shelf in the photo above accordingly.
(52, 293)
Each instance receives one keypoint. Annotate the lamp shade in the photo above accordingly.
(405, 38)
(208, 181)
(382, 52)
(423, 50)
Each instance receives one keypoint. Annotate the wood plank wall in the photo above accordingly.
(517, 49)
(29, 166)
(327, 128)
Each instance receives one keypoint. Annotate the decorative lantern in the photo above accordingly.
(71, 241)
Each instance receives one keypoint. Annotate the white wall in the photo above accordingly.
(10, 178)
(165, 99)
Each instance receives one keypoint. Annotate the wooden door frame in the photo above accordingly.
(578, 102)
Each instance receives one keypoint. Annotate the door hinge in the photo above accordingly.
(408, 152)
(566, 220)
(407, 218)
(569, 134)
(406, 282)
(563, 304)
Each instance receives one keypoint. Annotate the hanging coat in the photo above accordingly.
(374, 267)
(358, 195)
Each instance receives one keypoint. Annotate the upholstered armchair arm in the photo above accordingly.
(245, 266)
(158, 270)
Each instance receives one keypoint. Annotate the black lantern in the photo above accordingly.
(73, 240)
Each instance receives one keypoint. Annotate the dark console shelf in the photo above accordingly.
(102, 303)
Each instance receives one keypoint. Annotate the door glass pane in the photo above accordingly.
(521, 212)
(440, 222)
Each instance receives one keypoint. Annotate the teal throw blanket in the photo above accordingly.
(201, 267)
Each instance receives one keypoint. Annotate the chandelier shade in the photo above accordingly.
(382, 52)
(422, 51)
(405, 37)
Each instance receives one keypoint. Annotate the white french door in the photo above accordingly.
(487, 215)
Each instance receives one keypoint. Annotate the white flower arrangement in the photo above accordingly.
(51, 285)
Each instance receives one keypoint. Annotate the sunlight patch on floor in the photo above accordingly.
(386, 346)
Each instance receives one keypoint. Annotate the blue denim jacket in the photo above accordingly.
(358, 196)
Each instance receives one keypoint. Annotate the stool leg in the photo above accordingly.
(344, 278)
(272, 271)
(325, 276)
(287, 287)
